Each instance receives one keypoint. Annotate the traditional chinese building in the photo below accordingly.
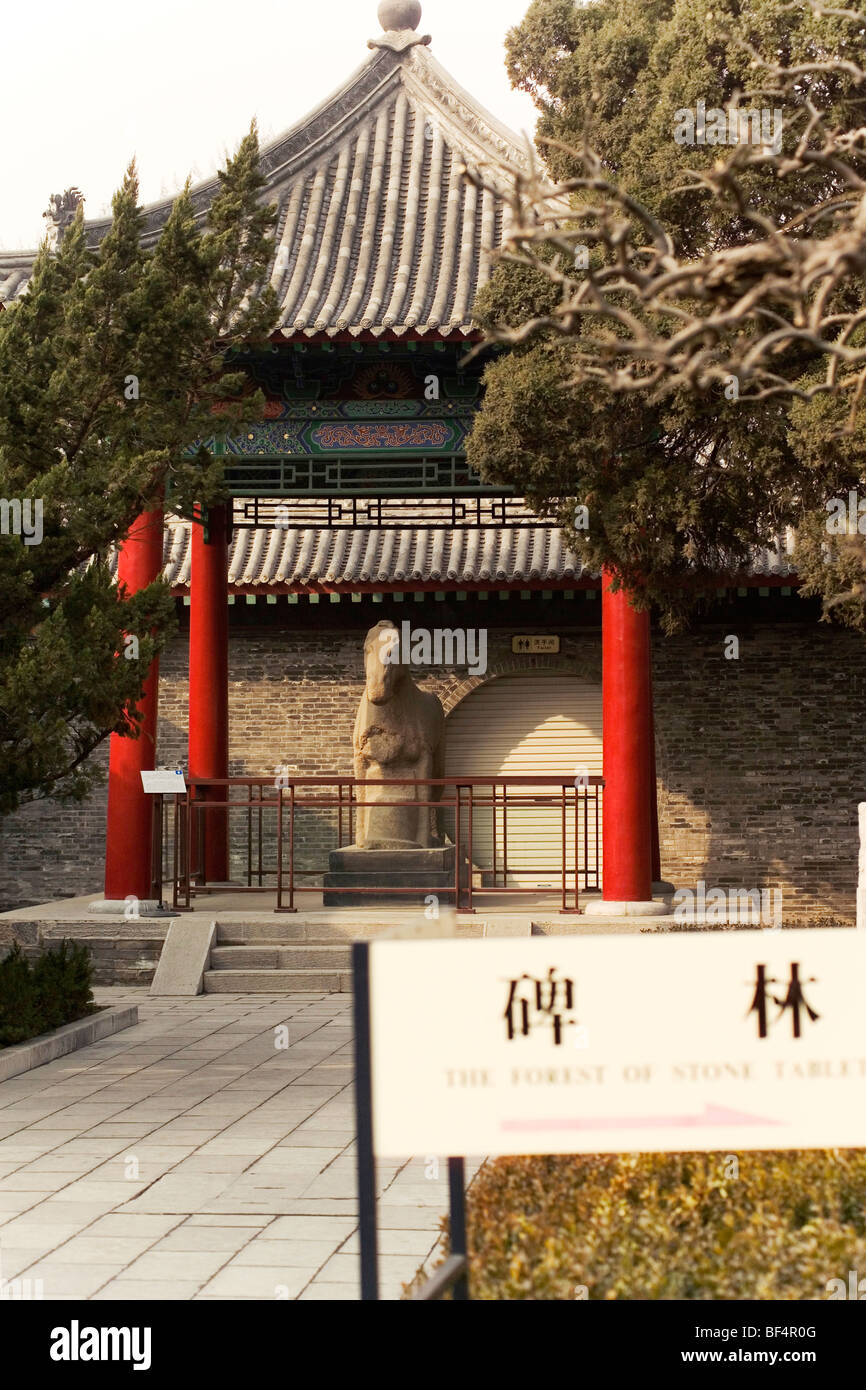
(352, 501)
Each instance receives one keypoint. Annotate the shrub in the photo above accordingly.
(57, 989)
(62, 980)
(668, 1226)
(19, 1016)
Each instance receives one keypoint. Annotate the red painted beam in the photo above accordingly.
(627, 718)
(209, 677)
(128, 830)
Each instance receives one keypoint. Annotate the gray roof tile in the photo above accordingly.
(297, 559)
(15, 270)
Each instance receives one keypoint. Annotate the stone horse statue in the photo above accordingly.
(399, 733)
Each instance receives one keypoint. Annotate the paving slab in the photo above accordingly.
(419, 1244)
(103, 1249)
(329, 1293)
(255, 1223)
(195, 1265)
(201, 1238)
(21, 1235)
(293, 1254)
(334, 1229)
(124, 1224)
(248, 1281)
(72, 1280)
(139, 1290)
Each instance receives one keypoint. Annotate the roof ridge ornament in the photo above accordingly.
(60, 214)
(400, 20)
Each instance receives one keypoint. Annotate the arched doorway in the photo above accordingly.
(548, 724)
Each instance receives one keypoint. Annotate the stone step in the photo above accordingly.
(344, 928)
(276, 956)
(277, 981)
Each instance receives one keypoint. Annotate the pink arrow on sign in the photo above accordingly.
(714, 1115)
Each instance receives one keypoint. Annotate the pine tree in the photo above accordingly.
(111, 366)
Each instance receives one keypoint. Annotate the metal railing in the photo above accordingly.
(275, 825)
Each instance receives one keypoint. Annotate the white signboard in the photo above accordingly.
(164, 781)
(600, 1044)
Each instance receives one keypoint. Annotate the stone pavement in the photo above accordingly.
(193, 1157)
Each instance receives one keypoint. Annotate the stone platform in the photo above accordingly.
(419, 872)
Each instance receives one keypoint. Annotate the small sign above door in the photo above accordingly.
(548, 645)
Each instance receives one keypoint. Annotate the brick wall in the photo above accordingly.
(761, 761)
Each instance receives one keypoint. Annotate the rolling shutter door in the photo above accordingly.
(524, 725)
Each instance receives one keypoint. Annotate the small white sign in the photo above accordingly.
(535, 645)
(606, 1044)
(164, 781)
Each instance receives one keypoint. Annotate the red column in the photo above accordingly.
(627, 715)
(128, 832)
(209, 677)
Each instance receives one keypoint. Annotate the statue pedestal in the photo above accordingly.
(420, 872)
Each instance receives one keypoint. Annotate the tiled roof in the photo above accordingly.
(15, 268)
(291, 558)
(378, 229)
(287, 560)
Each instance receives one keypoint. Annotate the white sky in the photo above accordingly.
(85, 86)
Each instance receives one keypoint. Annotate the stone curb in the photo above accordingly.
(49, 1046)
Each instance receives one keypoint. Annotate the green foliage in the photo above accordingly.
(619, 70)
(676, 491)
(19, 1013)
(667, 1226)
(111, 367)
(35, 999)
(62, 984)
(681, 484)
(832, 566)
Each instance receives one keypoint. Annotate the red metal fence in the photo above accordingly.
(267, 824)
